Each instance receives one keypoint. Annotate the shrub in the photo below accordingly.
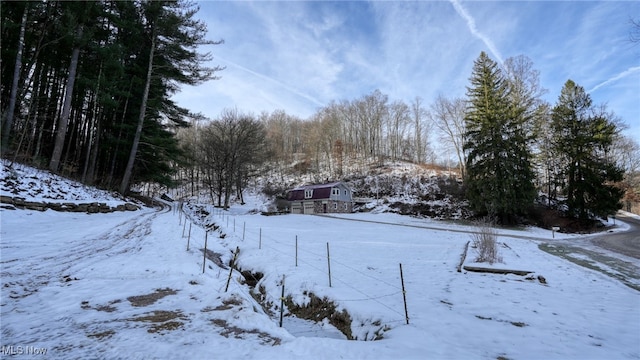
(485, 243)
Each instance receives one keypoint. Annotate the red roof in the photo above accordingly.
(321, 191)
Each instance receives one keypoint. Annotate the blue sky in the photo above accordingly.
(300, 56)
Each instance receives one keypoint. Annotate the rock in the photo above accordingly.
(18, 201)
(6, 199)
(542, 279)
(80, 208)
(54, 206)
(32, 205)
(131, 207)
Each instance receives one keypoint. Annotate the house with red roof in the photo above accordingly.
(332, 197)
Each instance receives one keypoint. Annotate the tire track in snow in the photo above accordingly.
(26, 279)
(23, 276)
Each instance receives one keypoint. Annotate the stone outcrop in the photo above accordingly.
(90, 208)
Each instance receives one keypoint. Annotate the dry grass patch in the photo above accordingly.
(162, 320)
(146, 300)
(106, 308)
(238, 333)
(102, 335)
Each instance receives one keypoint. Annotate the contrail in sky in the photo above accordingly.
(623, 74)
(471, 24)
(281, 84)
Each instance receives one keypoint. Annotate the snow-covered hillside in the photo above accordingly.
(137, 285)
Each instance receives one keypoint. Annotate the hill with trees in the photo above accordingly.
(90, 98)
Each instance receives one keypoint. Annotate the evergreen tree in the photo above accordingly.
(499, 178)
(583, 135)
(75, 76)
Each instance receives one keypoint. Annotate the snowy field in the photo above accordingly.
(124, 285)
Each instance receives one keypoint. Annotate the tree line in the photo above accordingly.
(86, 86)
(86, 92)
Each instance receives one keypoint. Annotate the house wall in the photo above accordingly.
(332, 206)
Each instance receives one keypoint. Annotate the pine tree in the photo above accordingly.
(499, 178)
(583, 135)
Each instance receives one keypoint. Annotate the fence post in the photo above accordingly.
(282, 302)
(189, 238)
(296, 250)
(183, 228)
(204, 256)
(329, 264)
(404, 296)
(233, 263)
(260, 240)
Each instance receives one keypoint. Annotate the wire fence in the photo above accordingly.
(246, 237)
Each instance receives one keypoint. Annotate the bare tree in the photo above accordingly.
(230, 149)
(448, 117)
(634, 35)
(420, 128)
(626, 153)
(398, 120)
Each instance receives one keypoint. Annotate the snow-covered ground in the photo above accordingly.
(124, 285)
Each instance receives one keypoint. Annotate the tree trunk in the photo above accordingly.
(91, 130)
(66, 110)
(8, 123)
(124, 186)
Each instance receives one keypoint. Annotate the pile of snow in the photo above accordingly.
(29, 183)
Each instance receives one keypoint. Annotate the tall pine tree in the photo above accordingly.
(499, 176)
(583, 135)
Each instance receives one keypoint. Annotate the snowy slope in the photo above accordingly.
(124, 285)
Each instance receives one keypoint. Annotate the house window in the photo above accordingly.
(335, 206)
(308, 194)
(345, 193)
(346, 207)
(335, 191)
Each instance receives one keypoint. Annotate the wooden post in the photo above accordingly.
(463, 257)
(232, 265)
(282, 302)
(404, 296)
(234, 224)
(228, 279)
(260, 240)
(183, 228)
(329, 264)
(244, 225)
(204, 256)
(189, 238)
(296, 250)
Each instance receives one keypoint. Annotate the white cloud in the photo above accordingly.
(284, 86)
(298, 56)
(616, 78)
(471, 24)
